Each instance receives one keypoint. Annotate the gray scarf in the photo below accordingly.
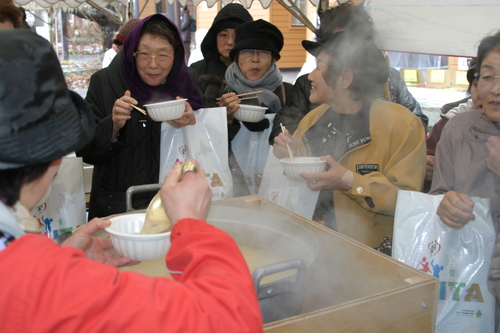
(271, 80)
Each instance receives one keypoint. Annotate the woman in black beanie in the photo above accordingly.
(218, 43)
(258, 46)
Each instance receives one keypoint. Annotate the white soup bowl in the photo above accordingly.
(250, 113)
(124, 233)
(302, 164)
(165, 111)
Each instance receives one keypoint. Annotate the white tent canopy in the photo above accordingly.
(36, 4)
(245, 3)
(446, 27)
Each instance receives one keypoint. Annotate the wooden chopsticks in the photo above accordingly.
(138, 109)
(283, 129)
(245, 94)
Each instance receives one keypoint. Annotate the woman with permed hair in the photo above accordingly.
(372, 148)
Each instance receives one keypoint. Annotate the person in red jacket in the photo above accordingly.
(76, 287)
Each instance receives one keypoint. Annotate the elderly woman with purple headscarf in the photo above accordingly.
(125, 150)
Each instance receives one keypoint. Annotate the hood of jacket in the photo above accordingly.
(230, 12)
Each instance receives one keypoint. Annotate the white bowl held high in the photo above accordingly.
(165, 111)
(250, 113)
(124, 233)
(302, 164)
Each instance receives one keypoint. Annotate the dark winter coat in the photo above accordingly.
(132, 159)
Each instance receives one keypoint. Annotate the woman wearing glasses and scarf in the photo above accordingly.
(125, 150)
(255, 53)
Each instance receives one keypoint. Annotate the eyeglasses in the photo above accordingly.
(486, 78)
(248, 53)
(146, 57)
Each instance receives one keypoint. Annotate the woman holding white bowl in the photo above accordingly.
(125, 150)
(371, 148)
(255, 53)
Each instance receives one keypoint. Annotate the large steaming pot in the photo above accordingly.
(279, 253)
(280, 285)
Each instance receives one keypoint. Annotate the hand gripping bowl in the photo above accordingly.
(302, 164)
(124, 233)
(250, 113)
(165, 111)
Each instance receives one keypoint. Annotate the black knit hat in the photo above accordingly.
(40, 119)
(259, 35)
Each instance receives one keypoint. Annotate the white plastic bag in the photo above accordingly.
(459, 258)
(64, 210)
(292, 195)
(205, 141)
(250, 150)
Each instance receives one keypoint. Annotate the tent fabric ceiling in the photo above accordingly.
(446, 27)
(245, 3)
(37, 4)
(76, 3)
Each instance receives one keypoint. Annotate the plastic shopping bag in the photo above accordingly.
(205, 141)
(459, 258)
(64, 208)
(251, 149)
(292, 195)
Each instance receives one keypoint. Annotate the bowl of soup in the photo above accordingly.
(293, 168)
(250, 113)
(127, 240)
(167, 110)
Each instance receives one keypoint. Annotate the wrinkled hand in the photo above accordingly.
(329, 180)
(188, 198)
(94, 246)
(280, 149)
(121, 111)
(230, 101)
(455, 210)
(492, 147)
(187, 118)
(429, 168)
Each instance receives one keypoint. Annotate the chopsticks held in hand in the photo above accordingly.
(245, 94)
(283, 129)
(138, 108)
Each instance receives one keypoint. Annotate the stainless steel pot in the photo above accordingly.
(279, 284)
(278, 298)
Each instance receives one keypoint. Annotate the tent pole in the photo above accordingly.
(295, 11)
(105, 13)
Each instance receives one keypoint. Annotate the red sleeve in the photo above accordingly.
(46, 288)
